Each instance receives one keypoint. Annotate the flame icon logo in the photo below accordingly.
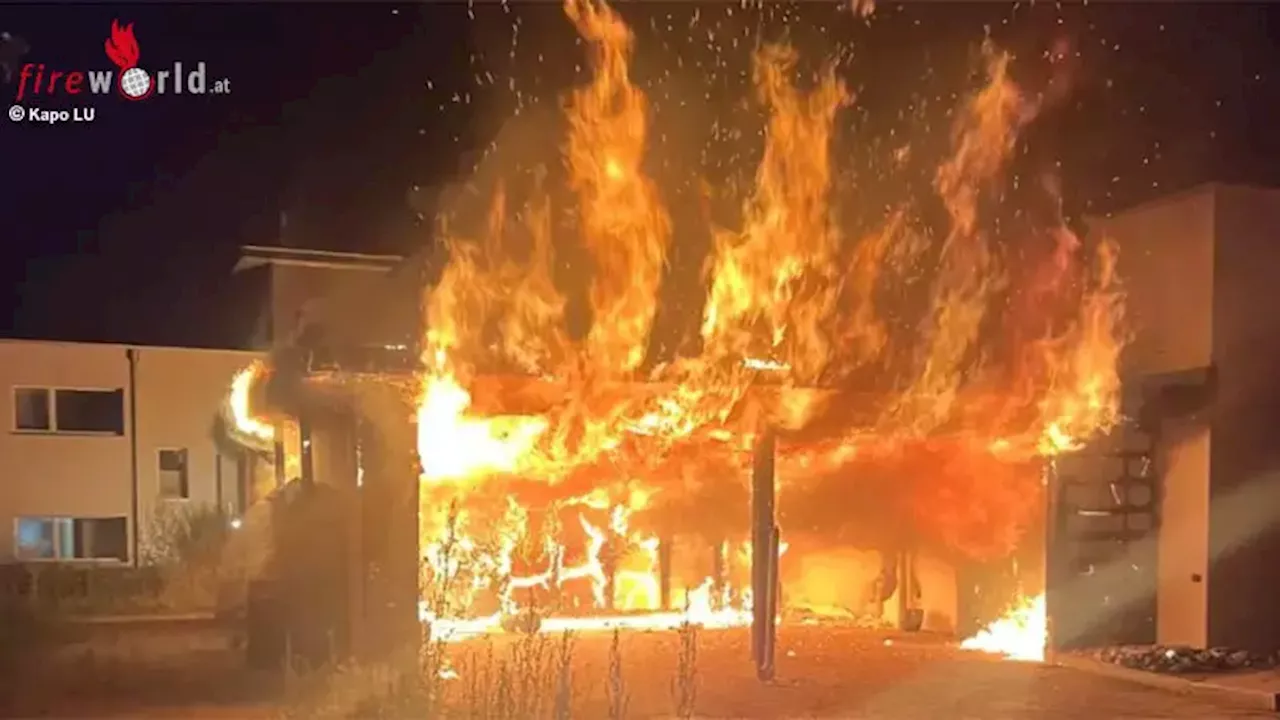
(122, 48)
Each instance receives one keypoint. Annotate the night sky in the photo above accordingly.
(347, 119)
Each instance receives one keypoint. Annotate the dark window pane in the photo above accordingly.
(173, 460)
(102, 538)
(90, 410)
(173, 474)
(31, 409)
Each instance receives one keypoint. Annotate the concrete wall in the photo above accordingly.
(1184, 573)
(1203, 276)
(1244, 539)
(1166, 263)
(50, 474)
(77, 475)
(179, 392)
(355, 306)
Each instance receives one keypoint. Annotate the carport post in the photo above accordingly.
(1055, 523)
(764, 555)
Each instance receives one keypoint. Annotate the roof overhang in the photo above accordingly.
(252, 256)
(1182, 393)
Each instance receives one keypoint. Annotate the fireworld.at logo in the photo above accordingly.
(129, 79)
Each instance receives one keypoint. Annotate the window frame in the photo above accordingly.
(51, 400)
(58, 557)
(186, 474)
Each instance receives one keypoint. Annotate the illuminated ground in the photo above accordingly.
(848, 673)
(822, 672)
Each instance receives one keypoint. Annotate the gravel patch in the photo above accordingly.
(1180, 660)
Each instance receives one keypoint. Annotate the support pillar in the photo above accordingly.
(910, 613)
(346, 435)
(609, 563)
(719, 575)
(557, 589)
(764, 555)
(1055, 551)
(278, 456)
(389, 518)
(337, 453)
(664, 571)
(307, 469)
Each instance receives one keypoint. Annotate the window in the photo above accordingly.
(69, 411)
(37, 538)
(98, 411)
(31, 409)
(48, 538)
(173, 474)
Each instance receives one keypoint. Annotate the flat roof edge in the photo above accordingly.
(130, 346)
(258, 255)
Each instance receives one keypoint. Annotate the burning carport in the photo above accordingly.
(911, 417)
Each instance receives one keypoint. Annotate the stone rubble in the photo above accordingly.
(1180, 660)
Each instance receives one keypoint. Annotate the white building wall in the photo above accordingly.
(1166, 264)
(51, 474)
(57, 474)
(1182, 601)
(1199, 271)
(179, 392)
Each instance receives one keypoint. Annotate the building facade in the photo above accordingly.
(1200, 272)
(353, 299)
(103, 439)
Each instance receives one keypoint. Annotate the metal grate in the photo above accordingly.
(1102, 550)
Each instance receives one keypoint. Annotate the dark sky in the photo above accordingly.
(126, 228)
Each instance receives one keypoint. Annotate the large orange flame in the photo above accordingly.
(556, 491)
(241, 412)
(624, 226)
(773, 285)
(950, 458)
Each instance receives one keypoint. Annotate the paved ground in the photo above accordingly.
(822, 672)
(850, 673)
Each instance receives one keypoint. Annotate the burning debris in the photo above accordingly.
(562, 470)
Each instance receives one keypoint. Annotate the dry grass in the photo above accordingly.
(686, 673)
(520, 675)
(823, 671)
(156, 670)
(505, 677)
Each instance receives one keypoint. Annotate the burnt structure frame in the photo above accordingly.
(375, 617)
